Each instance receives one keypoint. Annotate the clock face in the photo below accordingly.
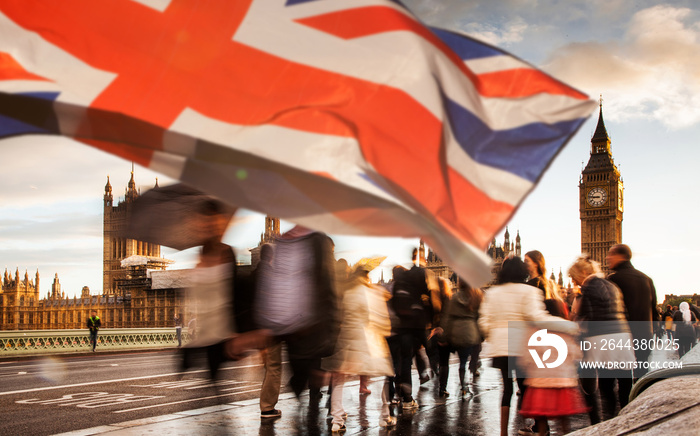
(597, 197)
(619, 197)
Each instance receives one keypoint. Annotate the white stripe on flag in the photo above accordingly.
(79, 82)
(310, 152)
(498, 184)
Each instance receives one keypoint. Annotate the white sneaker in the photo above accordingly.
(389, 421)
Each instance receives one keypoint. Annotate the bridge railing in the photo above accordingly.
(26, 342)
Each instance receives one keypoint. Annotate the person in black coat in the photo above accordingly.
(639, 296)
(684, 319)
(600, 311)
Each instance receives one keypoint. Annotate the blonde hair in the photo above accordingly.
(583, 267)
(553, 291)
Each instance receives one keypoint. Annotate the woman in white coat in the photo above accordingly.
(513, 301)
(361, 348)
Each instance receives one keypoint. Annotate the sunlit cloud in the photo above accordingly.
(653, 72)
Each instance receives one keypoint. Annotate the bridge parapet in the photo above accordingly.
(27, 342)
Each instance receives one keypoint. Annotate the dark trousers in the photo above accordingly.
(432, 349)
(409, 342)
(420, 340)
(505, 364)
(395, 350)
(602, 382)
(445, 352)
(685, 343)
(93, 339)
(474, 362)
(213, 355)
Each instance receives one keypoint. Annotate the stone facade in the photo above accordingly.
(138, 292)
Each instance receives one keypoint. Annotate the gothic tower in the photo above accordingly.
(600, 197)
(115, 247)
(272, 231)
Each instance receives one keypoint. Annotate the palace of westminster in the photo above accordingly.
(139, 291)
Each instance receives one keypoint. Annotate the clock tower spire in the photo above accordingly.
(600, 197)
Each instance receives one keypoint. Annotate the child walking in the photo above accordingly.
(556, 395)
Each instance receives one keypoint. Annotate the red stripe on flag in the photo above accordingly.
(10, 69)
(476, 213)
(371, 20)
(185, 58)
(523, 82)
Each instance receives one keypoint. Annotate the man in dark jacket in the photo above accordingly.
(412, 304)
(640, 299)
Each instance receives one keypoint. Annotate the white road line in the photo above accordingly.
(184, 401)
(242, 387)
(49, 388)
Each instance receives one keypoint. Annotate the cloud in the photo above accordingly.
(652, 72)
(487, 23)
(511, 33)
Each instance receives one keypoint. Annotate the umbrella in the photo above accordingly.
(171, 216)
(368, 263)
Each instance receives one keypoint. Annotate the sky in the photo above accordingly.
(642, 56)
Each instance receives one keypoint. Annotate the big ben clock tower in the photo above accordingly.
(600, 198)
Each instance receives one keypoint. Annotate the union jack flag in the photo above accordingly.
(347, 116)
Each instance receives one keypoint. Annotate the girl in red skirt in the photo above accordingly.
(552, 393)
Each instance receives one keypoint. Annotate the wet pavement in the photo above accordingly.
(476, 414)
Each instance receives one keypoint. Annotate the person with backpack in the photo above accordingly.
(458, 332)
(411, 301)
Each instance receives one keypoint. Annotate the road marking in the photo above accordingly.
(197, 383)
(22, 372)
(145, 377)
(91, 400)
(242, 387)
(184, 401)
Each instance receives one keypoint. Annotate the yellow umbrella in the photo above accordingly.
(368, 263)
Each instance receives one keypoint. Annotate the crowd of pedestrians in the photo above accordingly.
(336, 324)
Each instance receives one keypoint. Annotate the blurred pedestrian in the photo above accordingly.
(684, 321)
(297, 302)
(512, 300)
(667, 317)
(178, 328)
(393, 340)
(458, 332)
(361, 348)
(93, 324)
(535, 263)
(639, 295)
(440, 297)
(534, 260)
(192, 327)
(272, 355)
(212, 292)
(411, 301)
(552, 393)
(600, 311)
